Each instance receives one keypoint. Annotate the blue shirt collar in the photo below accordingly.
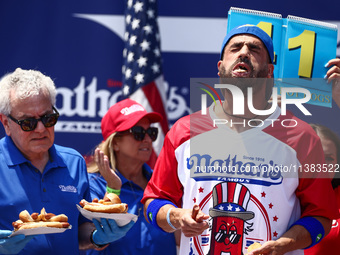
(13, 155)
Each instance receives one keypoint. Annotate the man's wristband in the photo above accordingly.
(314, 227)
(98, 247)
(168, 219)
(110, 190)
(153, 209)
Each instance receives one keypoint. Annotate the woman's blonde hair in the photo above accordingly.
(106, 147)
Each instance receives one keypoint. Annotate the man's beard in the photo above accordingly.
(243, 83)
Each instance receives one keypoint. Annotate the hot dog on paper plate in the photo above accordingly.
(110, 207)
(43, 223)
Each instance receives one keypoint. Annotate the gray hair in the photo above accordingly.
(24, 83)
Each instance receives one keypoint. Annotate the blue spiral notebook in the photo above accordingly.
(302, 48)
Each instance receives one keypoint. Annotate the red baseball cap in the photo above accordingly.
(124, 115)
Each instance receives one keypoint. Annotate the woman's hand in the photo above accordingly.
(110, 175)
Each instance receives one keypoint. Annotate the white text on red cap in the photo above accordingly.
(132, 109)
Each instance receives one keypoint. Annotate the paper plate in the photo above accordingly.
(40, 231)
(121, 218)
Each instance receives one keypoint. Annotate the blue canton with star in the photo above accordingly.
(142, 54)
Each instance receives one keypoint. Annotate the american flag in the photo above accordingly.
(142, 69)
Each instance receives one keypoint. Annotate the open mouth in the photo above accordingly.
(241, 68)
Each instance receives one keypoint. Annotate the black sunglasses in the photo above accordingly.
(232, 235)
(139, 133)
(29, 124)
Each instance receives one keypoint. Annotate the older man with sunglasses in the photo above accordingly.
(120, 167)
(35, 173)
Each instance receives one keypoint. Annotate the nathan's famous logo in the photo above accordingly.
(239, 103)
(205, 166)
(230, 218)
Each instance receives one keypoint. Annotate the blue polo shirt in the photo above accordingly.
(63, 183)
(142, 238)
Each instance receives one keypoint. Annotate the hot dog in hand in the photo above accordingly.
(36, 220)
(110, 204)
(253, 246)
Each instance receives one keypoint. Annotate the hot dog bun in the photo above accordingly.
(253, 246)
(24, 216)
(110, 204)
(113, 198)
(115, 208)
(59, 218)
(40, 224)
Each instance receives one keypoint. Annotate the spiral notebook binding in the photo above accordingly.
(258, 13)
(315, 23)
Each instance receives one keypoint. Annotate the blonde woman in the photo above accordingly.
(119, 166)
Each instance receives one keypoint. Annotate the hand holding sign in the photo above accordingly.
(302, 48)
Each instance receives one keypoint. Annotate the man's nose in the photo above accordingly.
(244, 51)
(40, 126)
